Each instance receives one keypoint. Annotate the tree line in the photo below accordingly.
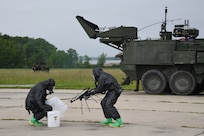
(24, 52)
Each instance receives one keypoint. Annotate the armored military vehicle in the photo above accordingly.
(165, 64)
(40, 66)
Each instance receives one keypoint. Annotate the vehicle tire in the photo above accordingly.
(154, 82)
(182, 83)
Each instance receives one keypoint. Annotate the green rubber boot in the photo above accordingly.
(108, 121)
(40, 122)
(118, 123)
(35, 122)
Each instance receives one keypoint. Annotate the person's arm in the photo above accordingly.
(39, 97)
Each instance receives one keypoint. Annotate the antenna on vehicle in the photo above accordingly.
(163, 26)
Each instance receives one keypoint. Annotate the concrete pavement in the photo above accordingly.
(142, 114)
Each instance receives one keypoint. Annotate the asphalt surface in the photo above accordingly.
(142, 114)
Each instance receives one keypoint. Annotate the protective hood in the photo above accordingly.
(97, 72)
(50, 83)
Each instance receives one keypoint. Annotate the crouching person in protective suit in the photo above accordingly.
(106, 83)
(35, 101)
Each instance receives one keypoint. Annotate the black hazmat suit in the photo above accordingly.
(35, 100)
(107, 83)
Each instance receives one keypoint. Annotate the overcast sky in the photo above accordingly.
(55, 20)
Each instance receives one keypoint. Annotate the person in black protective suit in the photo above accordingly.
(35, 101)
(106, 83)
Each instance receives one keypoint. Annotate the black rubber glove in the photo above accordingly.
(89, 93)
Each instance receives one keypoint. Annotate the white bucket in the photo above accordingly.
(53, 118)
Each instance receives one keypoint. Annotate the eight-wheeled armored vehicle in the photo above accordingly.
(161, 65)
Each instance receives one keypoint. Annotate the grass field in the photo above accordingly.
(65, 78)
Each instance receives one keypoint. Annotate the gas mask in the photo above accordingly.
(50, 89)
